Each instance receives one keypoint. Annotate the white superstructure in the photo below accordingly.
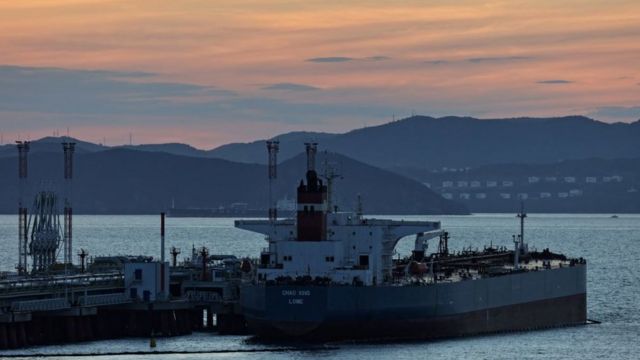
(325, 245)
(356, 249)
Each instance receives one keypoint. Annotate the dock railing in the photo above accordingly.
(53, 283)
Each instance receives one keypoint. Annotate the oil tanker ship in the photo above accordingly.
(332, 275)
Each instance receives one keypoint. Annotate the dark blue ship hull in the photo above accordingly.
(518, 301)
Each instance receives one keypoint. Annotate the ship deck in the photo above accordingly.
(452, 268)
(473, 265)
(465, 274)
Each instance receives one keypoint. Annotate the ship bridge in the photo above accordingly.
(285, 229)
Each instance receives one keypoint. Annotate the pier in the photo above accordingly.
(52, 301)
(83, 307)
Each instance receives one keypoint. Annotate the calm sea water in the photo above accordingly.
(611, 246)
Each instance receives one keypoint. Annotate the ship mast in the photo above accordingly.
(519, 243)
(330, 174)
(273, 146)
(522, 215)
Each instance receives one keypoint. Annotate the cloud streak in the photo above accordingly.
(69, 96)
(555, 82)
(94, 91)
(330, 59)
(342, 59)
(377, 58)
(478, 60)
(285, 86)
(436, 62)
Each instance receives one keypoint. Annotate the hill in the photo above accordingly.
(433, 143)
(422, 142)
(125, 181)
(255, 151)
(52, 144)
(571, 186)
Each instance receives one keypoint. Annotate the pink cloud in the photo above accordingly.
(240, 46)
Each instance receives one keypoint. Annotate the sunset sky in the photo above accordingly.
(212, 72)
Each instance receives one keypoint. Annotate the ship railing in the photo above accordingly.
(104, 299)
(49, 283)
(41, 305)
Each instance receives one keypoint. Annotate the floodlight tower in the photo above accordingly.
(273, 146)
(23, 150)
(69, 149)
